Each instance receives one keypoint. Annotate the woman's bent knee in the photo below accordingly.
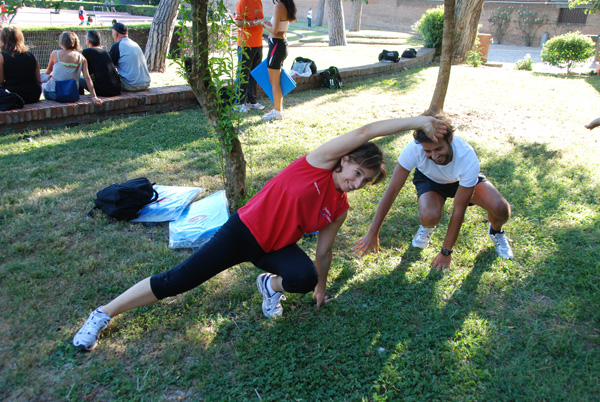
(302, 282)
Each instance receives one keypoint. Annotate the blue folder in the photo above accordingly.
(261, 75)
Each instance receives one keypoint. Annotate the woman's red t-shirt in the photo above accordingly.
(300, 199)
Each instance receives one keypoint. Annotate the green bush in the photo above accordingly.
(431, 27)
(567, 50)
(147, 11)
(524, 64)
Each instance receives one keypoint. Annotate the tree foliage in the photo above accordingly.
(594, 5)
(209, 64)
(568, 50)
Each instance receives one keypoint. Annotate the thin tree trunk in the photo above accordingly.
(357, 6)
(206, 93)
(441, 87)
(337, 31)
(161, 32)
(320, 12)
(468, 13)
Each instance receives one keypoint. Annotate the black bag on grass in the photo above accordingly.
(409, 53)
(331, 78)
(124, 201)
(389, 55)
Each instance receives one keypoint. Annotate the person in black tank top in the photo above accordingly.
(19, 69)
(102, 70)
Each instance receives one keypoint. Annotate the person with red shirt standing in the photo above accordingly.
(307, 196)
(249, 17)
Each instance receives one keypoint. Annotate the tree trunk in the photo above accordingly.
(320, 12)
(206, 93)
(161, 32)
(441, 87)
(357, 6)
(337, 31)
(467, 19)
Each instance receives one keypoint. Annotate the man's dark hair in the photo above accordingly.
(94, 37)
(420, 136)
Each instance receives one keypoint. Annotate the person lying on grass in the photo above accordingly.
(593, 124)
(307, 196)
(448, 168)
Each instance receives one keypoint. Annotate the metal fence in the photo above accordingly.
(41, 43)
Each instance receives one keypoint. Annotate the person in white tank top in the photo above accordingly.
(285, 11)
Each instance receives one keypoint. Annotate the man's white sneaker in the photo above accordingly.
(502, 247)
(256, 106)
(240, 108)
(273, 115)
(421, 239)
(87, 337)
(271, 305)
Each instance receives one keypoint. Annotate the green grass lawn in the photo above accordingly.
(489, 329)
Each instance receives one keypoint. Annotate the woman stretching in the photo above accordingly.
(307, 196)
(285, 11)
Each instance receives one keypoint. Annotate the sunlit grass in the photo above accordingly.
(489, 329)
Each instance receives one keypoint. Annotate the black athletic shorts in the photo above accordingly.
(277, 53)
(424, 184)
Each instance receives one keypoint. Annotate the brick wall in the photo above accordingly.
(401, 15)
(48, 114)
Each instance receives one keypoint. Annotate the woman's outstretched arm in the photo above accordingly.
(328, 154)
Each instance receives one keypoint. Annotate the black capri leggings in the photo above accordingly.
(231, 245)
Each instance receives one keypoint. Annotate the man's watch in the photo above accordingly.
(446, 252)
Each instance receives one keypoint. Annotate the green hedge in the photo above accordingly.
(147, 11)
(72, 5)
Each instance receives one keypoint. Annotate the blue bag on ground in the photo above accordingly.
(199, 222)
(171, 202)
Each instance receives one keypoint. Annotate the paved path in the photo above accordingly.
(44, 16)
(508, 55)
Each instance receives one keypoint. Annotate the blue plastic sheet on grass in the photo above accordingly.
(171, 202)
(199, 222)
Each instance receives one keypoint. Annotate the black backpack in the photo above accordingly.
(331, 78)
(124, 201)
(390, 55)
(10, 100)
(301, 65)
(409, 54)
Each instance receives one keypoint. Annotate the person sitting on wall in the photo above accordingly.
(101, 67)
(129, 59)
(19, 69)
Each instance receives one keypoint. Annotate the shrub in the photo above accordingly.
(529, 22)
(567, 50)
(525, 64)
(500, 20)
(431, 27)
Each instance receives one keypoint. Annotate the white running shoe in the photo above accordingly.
(87, 337)
(273, 115)
(271, 305)
(241, 108)
(502, 247)
(421, 239)
(256, 106)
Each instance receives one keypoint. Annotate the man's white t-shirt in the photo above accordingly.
(464, 167)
